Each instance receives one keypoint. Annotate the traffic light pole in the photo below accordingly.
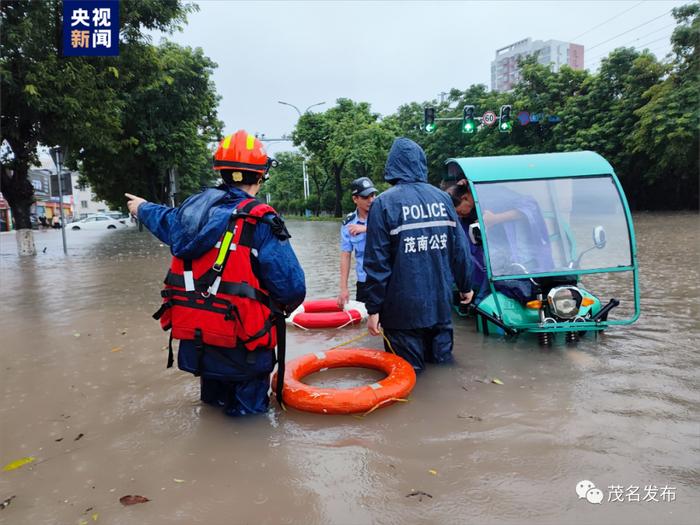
(60, 204)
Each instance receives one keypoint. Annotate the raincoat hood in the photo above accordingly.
(406, 162)
(194, 225)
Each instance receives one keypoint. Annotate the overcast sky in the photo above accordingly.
(389, 53)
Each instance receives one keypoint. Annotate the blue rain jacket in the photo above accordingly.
(415, 247)
(195, 227)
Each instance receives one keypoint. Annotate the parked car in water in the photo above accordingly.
(98, 222)
(116, 215)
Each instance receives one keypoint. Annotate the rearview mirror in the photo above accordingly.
(599, 237)
(475, 233)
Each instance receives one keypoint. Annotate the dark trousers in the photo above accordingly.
(361, 294)
(422, 345)
(234, 379)
(237, 398)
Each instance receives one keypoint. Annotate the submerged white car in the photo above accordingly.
(98, 222)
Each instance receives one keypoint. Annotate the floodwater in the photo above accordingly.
(85, 391)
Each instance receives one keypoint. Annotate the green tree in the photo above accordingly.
(331, 139)
(286, 181)
(49, 99)
(669, 122)
(168, 121)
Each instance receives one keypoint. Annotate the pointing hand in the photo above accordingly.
(134, 203)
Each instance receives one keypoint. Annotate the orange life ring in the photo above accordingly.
(399, 382)
(324, 313)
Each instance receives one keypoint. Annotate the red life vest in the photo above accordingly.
(216, 299)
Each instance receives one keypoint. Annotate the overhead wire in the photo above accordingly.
(628, 31)
(638, 47)
(608, 20)
(639, 38)
(653, 50)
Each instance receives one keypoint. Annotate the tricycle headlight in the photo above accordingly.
(565, 301)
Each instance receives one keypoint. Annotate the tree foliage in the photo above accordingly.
(345, 142)
(82, 102)
(641, 114)
(168, 121)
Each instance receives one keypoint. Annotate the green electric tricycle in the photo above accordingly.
(539, 224)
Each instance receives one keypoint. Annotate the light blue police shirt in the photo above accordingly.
(356, 243)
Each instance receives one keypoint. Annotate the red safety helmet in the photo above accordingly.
(242, 152)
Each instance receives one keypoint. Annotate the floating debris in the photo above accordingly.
(433, 471)
(469, 416)
(493, 380)
(78, 436)
(18, 463)
(132, 500)
(418, 493)
(6, 502)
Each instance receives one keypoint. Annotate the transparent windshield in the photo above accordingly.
(552, 225)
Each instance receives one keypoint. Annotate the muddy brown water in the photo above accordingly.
(85, 391)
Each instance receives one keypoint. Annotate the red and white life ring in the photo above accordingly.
(324, 313)
(400, 380)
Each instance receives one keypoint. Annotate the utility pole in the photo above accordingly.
(304, 173)
(172, 186)
(58, 155)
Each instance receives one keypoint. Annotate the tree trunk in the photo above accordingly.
(338, 191)
(19, 193)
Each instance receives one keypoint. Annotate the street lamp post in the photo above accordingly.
(58, 155)
(305, 174)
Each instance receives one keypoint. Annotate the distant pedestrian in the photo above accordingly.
(353, 234)
(56, 222)
(415, 251)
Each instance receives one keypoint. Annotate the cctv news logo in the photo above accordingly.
(587, 490)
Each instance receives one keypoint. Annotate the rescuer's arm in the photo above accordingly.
(156, 217)
(344, 295)
(460, 262)
(279, 270)
(377, 260)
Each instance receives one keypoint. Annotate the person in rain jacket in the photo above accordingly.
(236, 379)
(415, 251)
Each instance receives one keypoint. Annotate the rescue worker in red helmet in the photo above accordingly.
(232, 278)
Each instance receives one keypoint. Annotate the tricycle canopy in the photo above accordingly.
(549, 215)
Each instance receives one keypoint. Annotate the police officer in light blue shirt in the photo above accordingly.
(353, 233)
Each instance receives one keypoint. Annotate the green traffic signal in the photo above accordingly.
(468, 121)
(468, 126)
(505, 123)
(429, 120)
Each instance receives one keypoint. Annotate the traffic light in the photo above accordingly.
(468, 122)
(429, 120)
(505, 122)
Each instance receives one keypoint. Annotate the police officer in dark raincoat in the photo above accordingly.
(415, 251)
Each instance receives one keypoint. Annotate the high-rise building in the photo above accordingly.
(555, 53)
